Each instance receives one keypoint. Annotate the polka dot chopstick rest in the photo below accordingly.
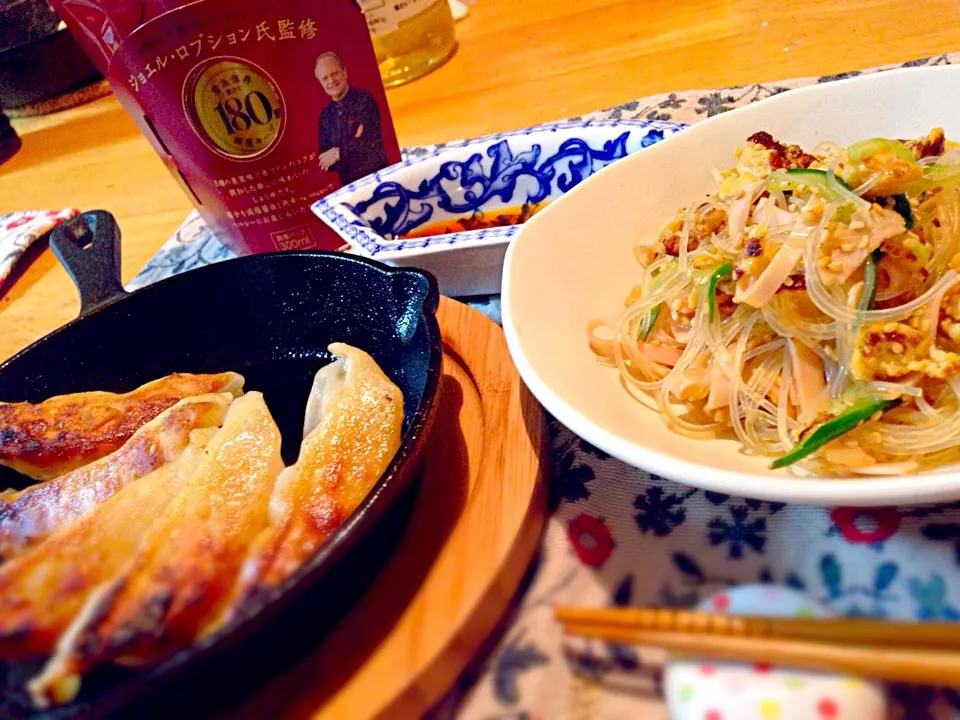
(708, 690)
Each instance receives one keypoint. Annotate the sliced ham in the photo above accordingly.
(808, 378)
(601, 338)
(692, 384)
(772, 278)
(740, 208)
(662, 354)
(767, 213)
(719, 396)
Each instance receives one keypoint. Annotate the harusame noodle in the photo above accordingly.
(809, 307)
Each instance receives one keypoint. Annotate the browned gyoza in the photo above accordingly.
(171, 557)
(42, 590)
(353, 426)
(181, 576)
(51, 438)
(28, 516)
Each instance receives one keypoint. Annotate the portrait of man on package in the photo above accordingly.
(350, 141)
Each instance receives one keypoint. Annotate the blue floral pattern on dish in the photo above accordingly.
(473, 186)
(493, 172)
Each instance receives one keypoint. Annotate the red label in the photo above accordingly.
(259, 109)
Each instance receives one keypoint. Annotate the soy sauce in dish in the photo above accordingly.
(497, 217)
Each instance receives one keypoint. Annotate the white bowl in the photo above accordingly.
(574, 261)
(487, 174)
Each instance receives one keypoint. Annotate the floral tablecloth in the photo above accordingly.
(20, 230)
(621, 536)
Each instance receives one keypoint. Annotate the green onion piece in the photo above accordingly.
(844, 214)
(874, 146)
(832, 429)
(902, 206)
(912, 243)
(721, 271)
(785, 180)
(827, 184)
(646, 325)
(842, 191)
(869, 282)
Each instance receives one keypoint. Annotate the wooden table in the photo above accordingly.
(518, 63)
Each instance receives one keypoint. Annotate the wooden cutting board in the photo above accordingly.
(474, 529)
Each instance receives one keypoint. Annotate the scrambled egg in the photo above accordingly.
(949, 323)
(705, 226)
(894, 350)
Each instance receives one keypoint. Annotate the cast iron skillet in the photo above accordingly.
(269, 317)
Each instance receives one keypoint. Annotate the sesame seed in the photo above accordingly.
(848, 246)
(877, 415)
(857, 225)
(823, 261)
(835, 266)
(890, 327)
(897, 348)
(863, 244)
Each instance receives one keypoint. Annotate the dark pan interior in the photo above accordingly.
(268, 317)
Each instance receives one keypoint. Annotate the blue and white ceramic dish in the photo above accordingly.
(462, 179)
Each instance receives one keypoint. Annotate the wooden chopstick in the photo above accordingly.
(858, 631)
(925, 666)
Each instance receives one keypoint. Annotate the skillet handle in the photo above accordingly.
(88, 247)
(415, 292)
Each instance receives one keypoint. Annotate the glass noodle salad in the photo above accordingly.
(809, 306)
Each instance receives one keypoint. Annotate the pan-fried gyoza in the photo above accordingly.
(185, 566)
(28, 516)
(49, 439)
(42, 590)
(165, 540)
(352, 431)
